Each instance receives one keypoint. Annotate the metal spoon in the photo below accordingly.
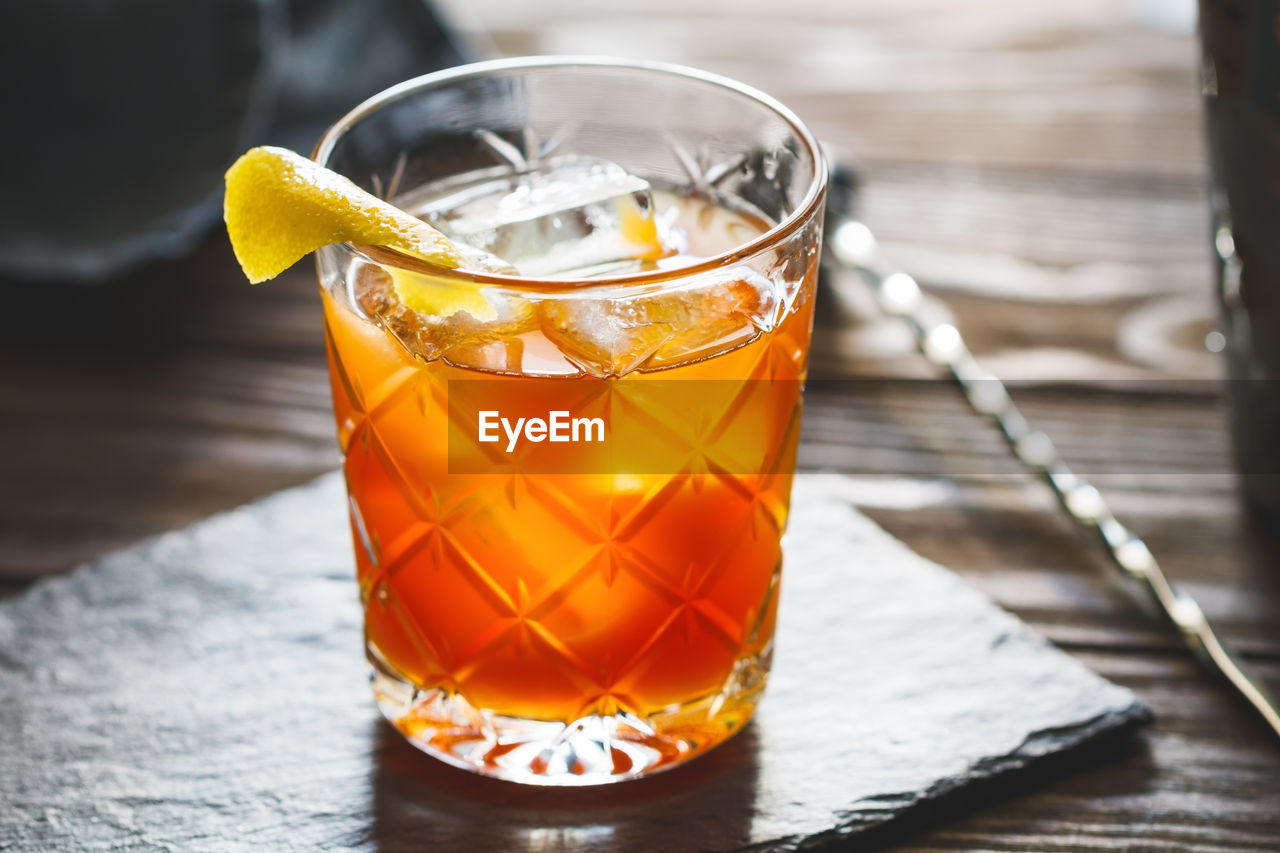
(852, 246)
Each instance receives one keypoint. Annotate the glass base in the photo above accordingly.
(592, 750)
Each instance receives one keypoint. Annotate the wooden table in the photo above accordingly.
(1039, 166)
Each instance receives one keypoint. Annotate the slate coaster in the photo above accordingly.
(206, 691)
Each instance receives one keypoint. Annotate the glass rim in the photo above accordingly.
(774, 236)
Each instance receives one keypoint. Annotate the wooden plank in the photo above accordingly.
(1091, 86)
(1203, 780)
(1040, 167)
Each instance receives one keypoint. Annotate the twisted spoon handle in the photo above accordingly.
(853, 246)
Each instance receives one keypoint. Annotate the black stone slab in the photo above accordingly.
(206, 690)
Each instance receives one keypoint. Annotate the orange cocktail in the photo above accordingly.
(568, 489)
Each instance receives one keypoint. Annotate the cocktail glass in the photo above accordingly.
(595, 608)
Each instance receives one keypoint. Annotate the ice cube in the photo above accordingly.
(566, 217)
(492, 342)
(614, 334)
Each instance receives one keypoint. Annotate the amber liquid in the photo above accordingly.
(557, 596)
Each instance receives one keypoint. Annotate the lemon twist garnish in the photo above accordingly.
(436, 297)
(279, 206)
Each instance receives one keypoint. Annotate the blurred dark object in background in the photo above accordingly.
(120, 116)
(1241, 83)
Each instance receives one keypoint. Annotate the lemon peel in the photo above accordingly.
(641, 231)
(440, 298)
(280, 206)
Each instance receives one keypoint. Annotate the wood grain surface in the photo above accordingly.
(1038, 166)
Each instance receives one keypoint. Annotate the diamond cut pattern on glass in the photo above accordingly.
(561, 596)
(601, 613)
